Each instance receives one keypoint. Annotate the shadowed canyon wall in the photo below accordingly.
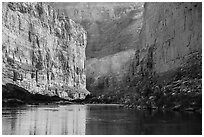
(169, 39)
(171, 35)
(165, 69)
(111, 26)
(42, 51)
(113, 31)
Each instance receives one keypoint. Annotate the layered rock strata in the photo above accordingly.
(42, 51)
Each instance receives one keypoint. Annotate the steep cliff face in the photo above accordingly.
(42, 51)
(171, 35)
(112, 26)
(169, 40)
(113, 29)
(167, 68)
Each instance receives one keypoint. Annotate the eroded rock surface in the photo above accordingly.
(42, 51)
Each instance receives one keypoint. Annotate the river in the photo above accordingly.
(96, 120)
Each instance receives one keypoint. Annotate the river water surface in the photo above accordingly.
(96, 119)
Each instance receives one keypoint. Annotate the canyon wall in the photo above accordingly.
(171, 35)
(111, 26)
(42, 51)
(167, 68)
(113, 31)
(170, 39)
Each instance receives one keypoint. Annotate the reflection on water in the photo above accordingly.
(111, 120)
(96, 119)
(52, 120)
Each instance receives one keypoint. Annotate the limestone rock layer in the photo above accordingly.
(42, 51)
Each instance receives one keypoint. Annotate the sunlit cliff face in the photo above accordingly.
(43, 52)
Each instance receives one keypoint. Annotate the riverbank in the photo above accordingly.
(13, 95)
(177, 90)
(172, 101)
